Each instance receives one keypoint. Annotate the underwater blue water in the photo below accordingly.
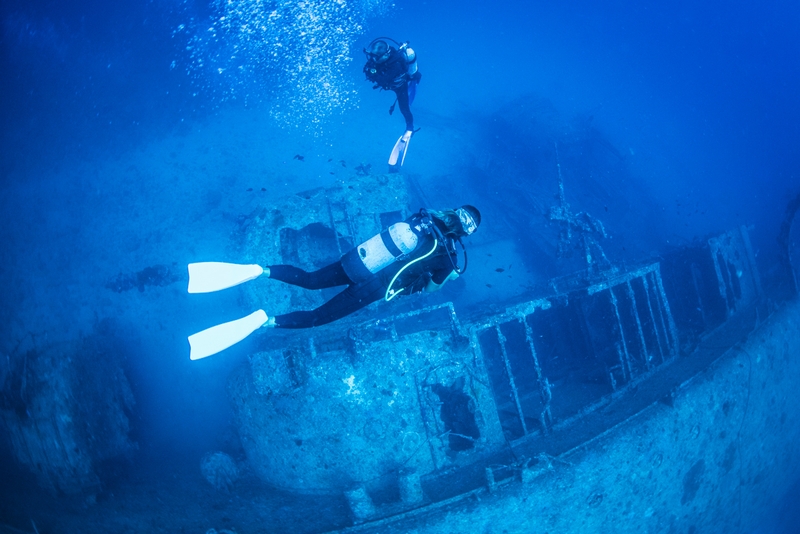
(133, 133)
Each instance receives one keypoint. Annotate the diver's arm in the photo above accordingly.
(434, 286)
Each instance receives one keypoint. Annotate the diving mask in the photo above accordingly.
(467, 221)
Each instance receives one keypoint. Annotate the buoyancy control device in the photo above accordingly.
(378, 252)
(392, 72)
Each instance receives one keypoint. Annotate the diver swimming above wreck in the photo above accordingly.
(411, 256)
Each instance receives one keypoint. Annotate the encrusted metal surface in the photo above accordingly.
(425, 406)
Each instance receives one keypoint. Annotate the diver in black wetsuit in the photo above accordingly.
(394, 69)
(383, 266)
(418, 254)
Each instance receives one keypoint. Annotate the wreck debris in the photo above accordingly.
(712, 281)
(361, 505)
(71, 414)
(588, 229)
(733, 258)
(219, 470)
(786, 244)
(410, 486)
(406, 399)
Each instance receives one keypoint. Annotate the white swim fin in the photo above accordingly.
(399, 152)
(210, 276)
(218, 338)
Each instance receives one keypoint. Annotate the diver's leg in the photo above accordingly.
(348, 301)
(331, 276)
(403, 104)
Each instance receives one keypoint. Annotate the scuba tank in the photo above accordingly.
(395, 243)
(380, 251)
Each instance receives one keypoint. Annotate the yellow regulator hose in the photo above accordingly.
(390, 294)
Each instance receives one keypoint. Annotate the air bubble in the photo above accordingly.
(252, 51)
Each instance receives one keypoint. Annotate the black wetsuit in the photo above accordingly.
(436, 267)
(392, 75)
(404, 106)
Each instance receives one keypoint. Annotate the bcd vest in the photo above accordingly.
(389, 74)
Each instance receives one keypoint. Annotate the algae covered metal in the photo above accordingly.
(406, 407)
(65, 408)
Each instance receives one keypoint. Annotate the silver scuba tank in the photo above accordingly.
(380, 251)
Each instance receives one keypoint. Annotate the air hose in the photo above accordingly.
(390, 293)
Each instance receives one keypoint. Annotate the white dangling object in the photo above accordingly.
(210, 276)
(400, 149)
(218, 338)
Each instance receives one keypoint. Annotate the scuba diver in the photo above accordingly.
(415, 255)
(395, 69)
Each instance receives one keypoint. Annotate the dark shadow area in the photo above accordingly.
(458, 415)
